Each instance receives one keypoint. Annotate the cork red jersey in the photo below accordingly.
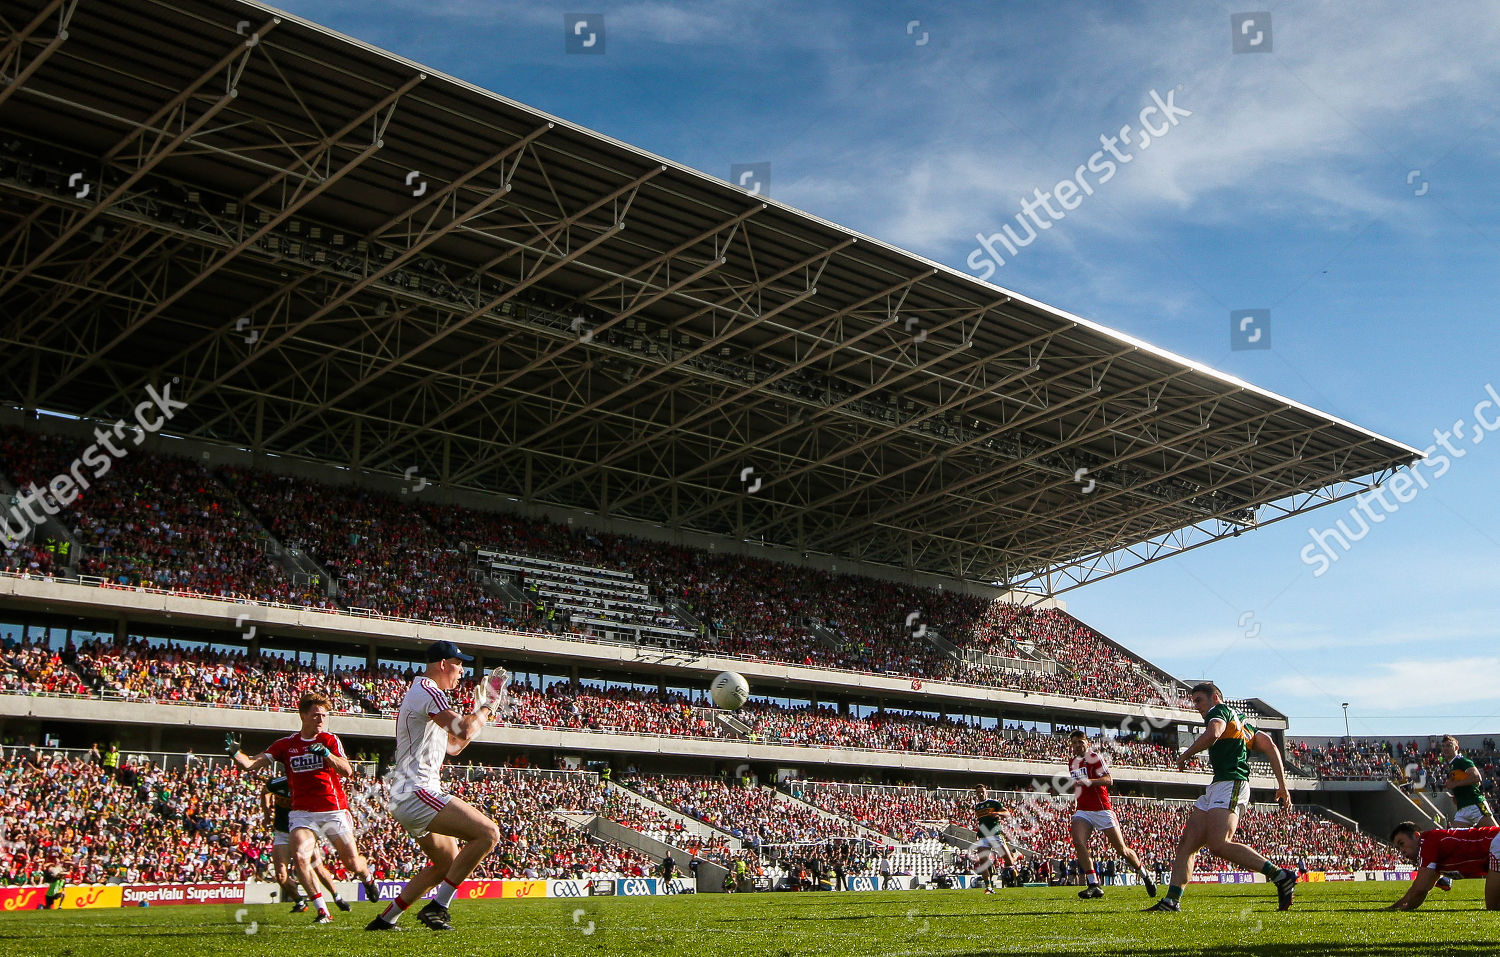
(1462, 850)
(1093, 797)
(315, 786)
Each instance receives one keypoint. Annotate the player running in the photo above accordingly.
(1467, 852)
(1094, 813)
(56, 876)
(427, 727)
(1216, 814)
(1464, 781)
(987, 813)
(276, 801)
(315, 763)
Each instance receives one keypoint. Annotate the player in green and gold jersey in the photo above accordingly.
(1464, 781)
(1214, 818)
(992, 843)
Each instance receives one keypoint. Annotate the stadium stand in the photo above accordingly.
(167, 674)
(1407, 762)
(162, 521)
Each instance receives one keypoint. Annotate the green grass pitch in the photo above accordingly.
(1223, 921)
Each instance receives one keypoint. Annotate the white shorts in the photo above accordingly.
(1231, 795)
(1101, 820)
(280, 839)
(325, 824)
(1469, 816)
(415, 811)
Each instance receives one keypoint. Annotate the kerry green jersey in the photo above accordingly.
(988, 812)
(1230, 755)
(1464, 795)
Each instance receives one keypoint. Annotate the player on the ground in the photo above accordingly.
(315, 762)
(1216, 815)
(1092, 781)
(1467, 852)
(987, 814)
(276, 800)
(427, 728)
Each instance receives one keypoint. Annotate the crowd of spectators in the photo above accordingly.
(1300, 837)
(126, 825)
(146, 672)
(27, 559)
(538, 838)
(914, 733)
(141, 822)
(30, 668)
(1360, 760)
(143, 672)
(1411, 762)
(197, 820)
(381, 553)
(156, 520)
(756, 816)
(170, 522)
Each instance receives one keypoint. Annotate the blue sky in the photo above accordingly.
(1343, 180)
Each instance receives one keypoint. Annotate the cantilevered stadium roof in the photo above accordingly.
(342, 255)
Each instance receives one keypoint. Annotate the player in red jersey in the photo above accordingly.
(1092, 781)
(315, 762)
(1467, 852)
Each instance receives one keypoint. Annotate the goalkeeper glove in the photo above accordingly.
(494, 691)
(320, 749)
(231, 745)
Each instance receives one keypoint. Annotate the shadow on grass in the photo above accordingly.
(922, 914)
(1361, 948)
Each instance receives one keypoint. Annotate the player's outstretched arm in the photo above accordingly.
(1212, 733)
(243, 761)
(1417, 892)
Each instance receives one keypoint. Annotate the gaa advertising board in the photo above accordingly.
(157, 895)
(586, 887)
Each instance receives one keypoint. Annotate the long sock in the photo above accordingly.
(336, 898)
(320, 903)
(1093, 880)
(444, 895)
(1174, 892)
(1269, 869)
(393, 912)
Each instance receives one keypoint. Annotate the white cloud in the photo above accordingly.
(1406, 684)
(1321, 131)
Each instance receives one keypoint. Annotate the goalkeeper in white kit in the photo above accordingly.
(427, 728)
